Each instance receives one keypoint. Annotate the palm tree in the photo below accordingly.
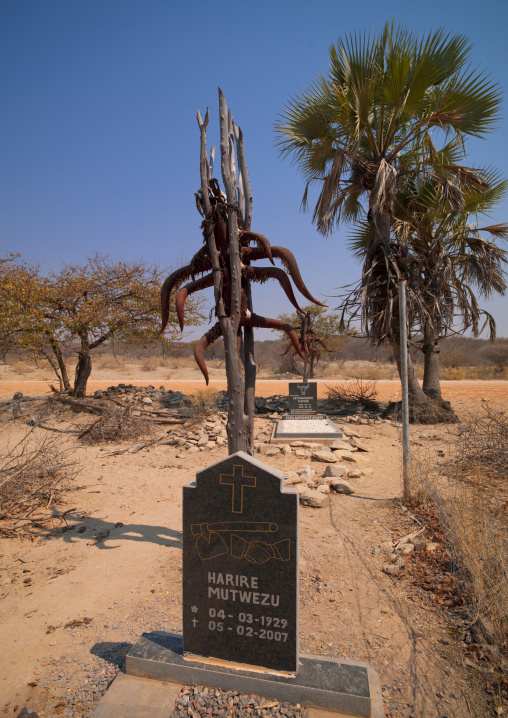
(451, 259)
(447, 261)
(368, 127)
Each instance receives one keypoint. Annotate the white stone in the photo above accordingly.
(314, 498)
(335, 471)
(306, 472)
(327, 457)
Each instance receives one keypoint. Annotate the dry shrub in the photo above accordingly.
(182, 363)
(354, 393)
(106, 361)
(115, 425)
(22, 367)
(150, 364)
(203, 403)
(470, 491)
(452, 373)
(369, 371)
(33, 474)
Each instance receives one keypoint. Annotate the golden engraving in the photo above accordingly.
(237, 481)
(211, 544)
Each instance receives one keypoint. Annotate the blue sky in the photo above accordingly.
(99, 142)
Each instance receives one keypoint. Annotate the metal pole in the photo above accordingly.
(405, 393)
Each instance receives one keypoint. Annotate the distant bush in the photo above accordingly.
(203, 403)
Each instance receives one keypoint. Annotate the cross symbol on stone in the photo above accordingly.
(237, 480)
(194, 621)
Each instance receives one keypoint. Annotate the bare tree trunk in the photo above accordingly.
(55, 346)
(237, 434)
(83, 369)
(229, 323)
(245, 201)
(54, 365)
(312, 362)
(305, 347)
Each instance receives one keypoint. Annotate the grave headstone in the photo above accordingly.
(240, 565)
(302, 398)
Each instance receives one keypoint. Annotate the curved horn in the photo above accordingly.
(200, 262)
(262, 243)
(190, 288)
(177, 277)
(214, 333)
(264, 323)
(288, 260)
(262, 274)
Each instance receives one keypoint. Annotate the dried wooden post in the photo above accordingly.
(227, 252)
(237, 435)
(305, 319)
(245, 202)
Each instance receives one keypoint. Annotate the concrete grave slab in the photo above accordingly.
(316, 428)
(344, 687)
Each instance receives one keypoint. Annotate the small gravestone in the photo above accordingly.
(302, 398)
(240, 565)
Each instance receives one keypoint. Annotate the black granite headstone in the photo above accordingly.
(240, 565)
(302, 398)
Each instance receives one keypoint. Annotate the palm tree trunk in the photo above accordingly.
(431, 382)
(422, 408)
(416, 395)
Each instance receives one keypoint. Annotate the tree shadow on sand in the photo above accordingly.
(99, 533)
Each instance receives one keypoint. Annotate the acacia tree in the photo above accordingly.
(89, 304)
(318, 330)
(367, 127)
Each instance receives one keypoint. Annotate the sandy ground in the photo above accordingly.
(130, 581)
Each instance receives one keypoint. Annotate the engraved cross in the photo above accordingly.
(238, 481)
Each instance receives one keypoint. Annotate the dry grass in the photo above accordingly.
(468, 484)
(368, 371)
(33, 473)
(108, 361)
(203, 403)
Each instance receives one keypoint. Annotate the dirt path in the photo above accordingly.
(57, 661)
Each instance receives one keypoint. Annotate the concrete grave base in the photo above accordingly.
(311, 428)
(346, 688)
